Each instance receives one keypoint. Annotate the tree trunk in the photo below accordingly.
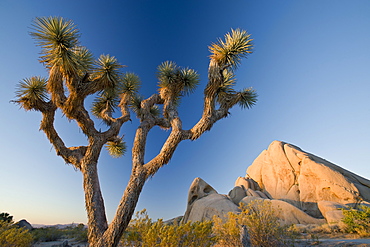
(124, 212)
(97, 221)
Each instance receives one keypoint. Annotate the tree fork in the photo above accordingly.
(125, 210)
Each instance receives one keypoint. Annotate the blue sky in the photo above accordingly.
(310, 67)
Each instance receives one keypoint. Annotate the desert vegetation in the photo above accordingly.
(258, 218)
(46, 234)
(262, 228)
(11, 235)
(261, 223)
(357, 220)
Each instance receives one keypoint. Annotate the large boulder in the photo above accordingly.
(204, 202)
(209, 206)
(247, 183)
(237, 193)
(24, 224)
(284, 171)
(332, 211)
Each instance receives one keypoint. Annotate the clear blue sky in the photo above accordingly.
(310, 67)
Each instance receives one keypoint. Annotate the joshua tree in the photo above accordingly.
(73, 75)
(6, 217)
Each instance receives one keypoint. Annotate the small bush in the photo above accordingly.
(357, 220)
(79, 232)
(227, 231)
(47, 234)
(145, 233)
(13, 236)
(262, 224)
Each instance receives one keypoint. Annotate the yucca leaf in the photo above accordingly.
(104, 102)
(116, 149)
(84, 58)
(189, 79)
(130, 84)
(33, 88)
(247, 98)
(107, 71)
(235, 46)
(58, 38)
(31, 93)
(167, 73)
(155, 111)
(135, 103)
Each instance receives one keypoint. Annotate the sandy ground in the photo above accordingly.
(302, 243)
(60, 244)
(335, 242)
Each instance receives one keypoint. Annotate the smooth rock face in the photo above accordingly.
(237, 194)
(331, 211)
(284, 171)
(213, 204)
(286, 212)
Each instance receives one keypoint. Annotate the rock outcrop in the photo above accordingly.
(204, 202)
(331, 211)
(24, 224)
(301, 187)
(285, 172)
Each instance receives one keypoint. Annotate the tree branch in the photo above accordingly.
(71, 155)
(55, 86)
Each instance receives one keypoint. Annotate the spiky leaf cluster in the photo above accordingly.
(107, 71)
(227, 53)
(180, 81)
(108, 99)
(232, 49)
(247, 98)
(130, 84)
(85, 58)
(58, 39)
(116, 149)
(104, 102)
(31, 93)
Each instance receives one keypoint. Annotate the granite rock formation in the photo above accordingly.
(303, 188)
(285, 172)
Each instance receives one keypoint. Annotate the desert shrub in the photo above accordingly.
(137, 229)
(227, 231)
(357, 220)
(47, 234)
(145, 233)
(262, 225)
(13, 236)
(79, 232)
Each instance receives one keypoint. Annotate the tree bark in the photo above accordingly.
(97, 221)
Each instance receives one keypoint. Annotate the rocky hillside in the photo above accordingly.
(305, 188)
